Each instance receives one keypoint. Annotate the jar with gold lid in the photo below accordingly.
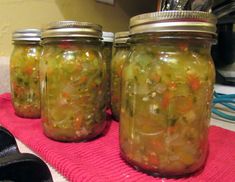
(72, 81)
(120, 56)
(24, 73)
(167, 88)
(108, 38)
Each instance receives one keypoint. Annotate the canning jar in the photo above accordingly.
(72, 75)
(120, 56)
(167, 88)
(107, 57)
(24, 73)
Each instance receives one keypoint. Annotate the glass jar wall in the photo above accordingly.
(24, 73)
(119, 58)
(167, 88)
(72, 81)
(107, 57)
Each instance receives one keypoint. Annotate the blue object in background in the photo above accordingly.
(228, 101)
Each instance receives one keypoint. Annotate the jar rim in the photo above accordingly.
(174, 21)
(70, 28)
(121, 37)
(108, 36)
(27, 34)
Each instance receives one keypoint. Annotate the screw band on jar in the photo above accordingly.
(121, 37)
(24, 72)
(108, 36)
(72, 29)
(28, 35)
(174, 21)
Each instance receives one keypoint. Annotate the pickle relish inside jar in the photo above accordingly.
(167, 88)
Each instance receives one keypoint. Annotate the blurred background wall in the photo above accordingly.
(15, 14)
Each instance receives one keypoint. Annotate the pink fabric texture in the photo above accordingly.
(99, 160)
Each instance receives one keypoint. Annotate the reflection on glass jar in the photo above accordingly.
(167, 88)
(107, 57)
(24, 73)
(119, 58)
(72, 81)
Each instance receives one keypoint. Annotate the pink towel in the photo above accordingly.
(99, 160)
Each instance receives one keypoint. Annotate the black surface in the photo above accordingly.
(8, 144)
(24, 167)
(224, 52)
(18, 167)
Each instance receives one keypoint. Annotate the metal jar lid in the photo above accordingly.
(121, 37)
(174, 21)
(27, 35)
(72, 29)
(108, 36)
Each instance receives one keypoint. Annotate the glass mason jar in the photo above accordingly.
(107, 57)
(24, 73)
(167, 88)
(72, 75)
(119, 58)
